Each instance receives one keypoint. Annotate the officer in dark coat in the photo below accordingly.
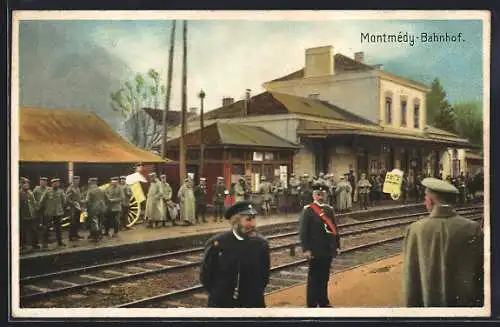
(320, 241)
(235, 267)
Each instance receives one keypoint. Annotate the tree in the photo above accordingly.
(469, 121)
(439, 111)
(129, 101)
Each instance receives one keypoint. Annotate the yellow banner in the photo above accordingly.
(392, 183)
(138, 193)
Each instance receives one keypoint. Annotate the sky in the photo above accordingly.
(76, 64)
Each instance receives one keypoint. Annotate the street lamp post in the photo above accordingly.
(201, 95)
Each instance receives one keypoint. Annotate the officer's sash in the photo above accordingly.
(317, 210)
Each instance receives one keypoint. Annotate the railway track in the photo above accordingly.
(180, 263)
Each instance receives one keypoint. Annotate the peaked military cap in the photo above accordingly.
(92, 179)
(152, 174)
(220, 177)
(76, 177)
(163, 175)
(123, 177)
(53, 180)
(203, 179)
(317, 189)
(241, 208)
(24, 180)
(262, 178)
(241, 177)
(439, 186)
(113, 179)
(44, 179)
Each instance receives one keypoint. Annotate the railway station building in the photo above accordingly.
(337, 114)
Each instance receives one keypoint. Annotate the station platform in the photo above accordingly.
(375, 285)
(140, 233)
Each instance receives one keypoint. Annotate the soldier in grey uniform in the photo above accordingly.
(305, 190)
(240, 190)
(27, 215)
(443, 254)
(114, 197)
(363, 188)
(74, 198)
(266, 189)
(37, 193)
(293, 190)
(127, 194)
(167, 197)
(95, 201)
(219, 193)
(53, 202)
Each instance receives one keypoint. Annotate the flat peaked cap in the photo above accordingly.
(44, 179)
(24, 180)
(139, 164)
(220, 177)
(123, 177)
(317, 189)
(163, 175)
(203, 179)
(53, 180)
(152, 174)
(241, 208)
(76, 177)
(114, 179)
(93, 179)
(439, 186)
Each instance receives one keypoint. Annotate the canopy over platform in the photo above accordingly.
(58, 135)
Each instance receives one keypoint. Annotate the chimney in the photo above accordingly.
(359, 56)
(319, 62)
(227, 101)
(378, 66)
(247, 102)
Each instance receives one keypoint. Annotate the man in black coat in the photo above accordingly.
(235, 267)
(320, 242)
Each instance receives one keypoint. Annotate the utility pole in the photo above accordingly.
(201, 95)
(169, 90)
(182, 152)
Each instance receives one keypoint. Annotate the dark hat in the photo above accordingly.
(139, 164)
(24, 180)
(439, 186)
(317, 189)
(44, 179)
(53, 180)
(92, 179)
(241, 208)
(76, 177)
(113, 179)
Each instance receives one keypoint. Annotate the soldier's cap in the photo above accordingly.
(24, 180)
(317, 189)
(44, 179)
(53, 180)
(139, 164)
(438, 186)
(203, 179)
(113, 179)
(305, 175)
(76, 178)
(342, 177)
(163, 175)
(92, 179)
(241, 177)
(220, 177)
(241, 208)
(123, 177)
(262, 178)
(152, 174)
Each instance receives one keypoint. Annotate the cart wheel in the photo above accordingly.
(134, 212)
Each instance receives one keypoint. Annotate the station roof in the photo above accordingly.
(238, 135)
(61, 135)
(432, 135)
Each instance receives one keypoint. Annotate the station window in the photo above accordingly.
(403, 113)
(388, 110)
(416, 115)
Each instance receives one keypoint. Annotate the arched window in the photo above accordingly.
(388, 109)
(404, 111)
(416, 113)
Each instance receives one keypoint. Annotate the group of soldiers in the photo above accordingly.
(43, 209)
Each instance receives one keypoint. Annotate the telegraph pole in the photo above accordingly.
(169, 89)
(182, 152)
(201, 95)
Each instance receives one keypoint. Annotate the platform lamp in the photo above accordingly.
(201, 95)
